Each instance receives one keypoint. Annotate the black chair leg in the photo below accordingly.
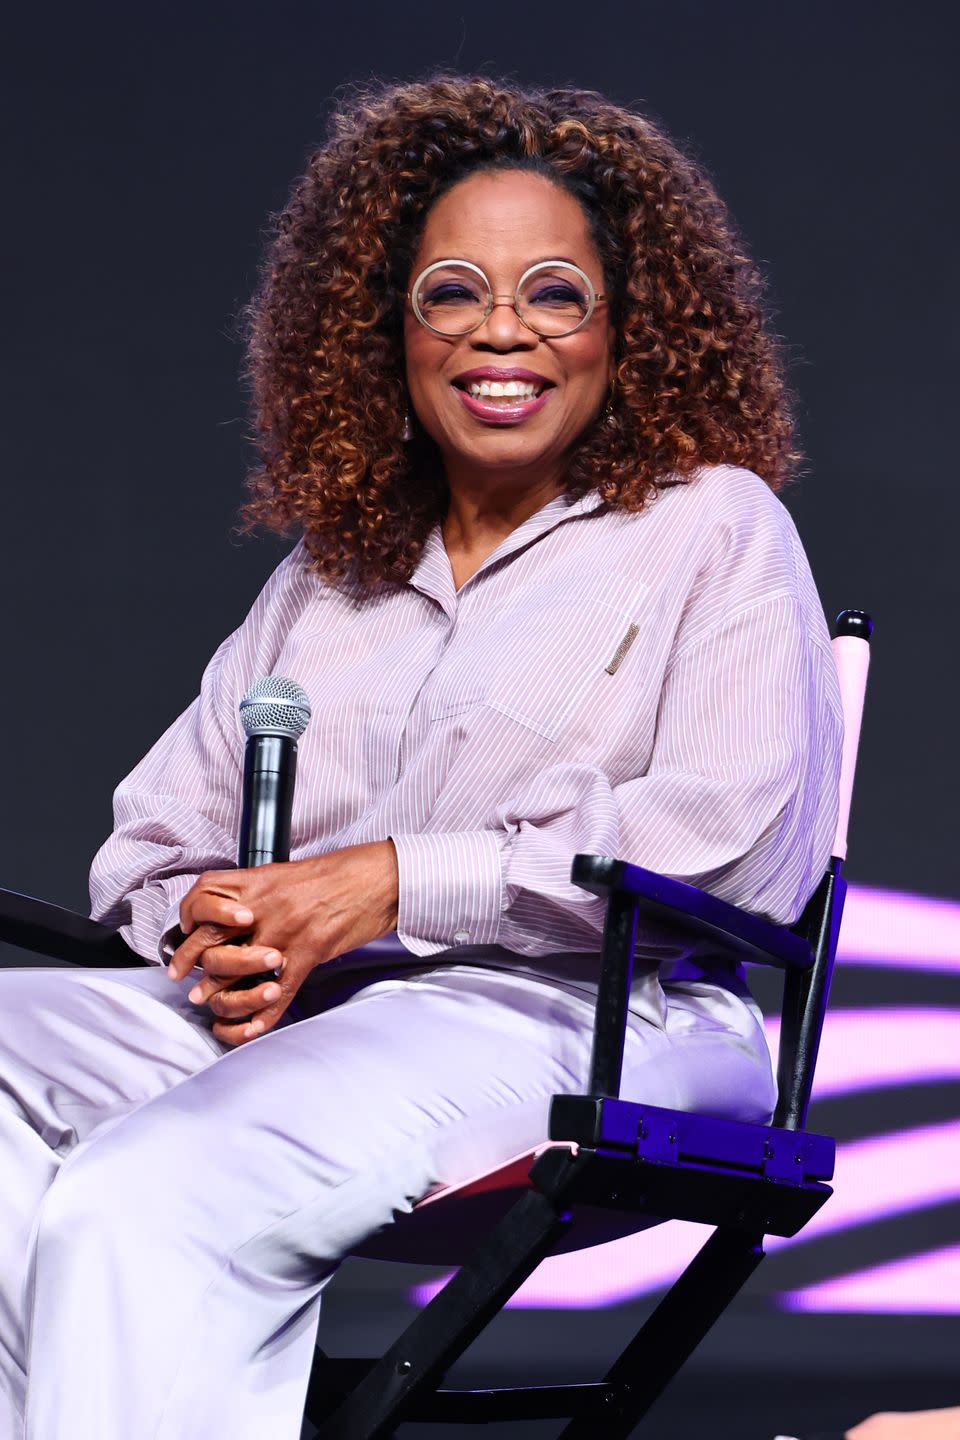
(331, 1381)
(452, 1320)
(669, 1337)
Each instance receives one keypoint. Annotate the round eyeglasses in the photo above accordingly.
(552, 298)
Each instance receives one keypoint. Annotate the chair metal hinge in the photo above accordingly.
(785, 1159)
(657, 1138)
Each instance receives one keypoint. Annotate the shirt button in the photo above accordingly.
(461, 937)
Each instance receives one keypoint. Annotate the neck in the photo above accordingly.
(487, 505)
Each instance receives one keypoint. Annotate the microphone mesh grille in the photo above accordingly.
(275, 706)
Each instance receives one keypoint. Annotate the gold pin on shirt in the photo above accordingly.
(622, 649)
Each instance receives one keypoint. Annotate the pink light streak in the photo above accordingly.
(892, 927)
(866, 1049)
(922, 1284)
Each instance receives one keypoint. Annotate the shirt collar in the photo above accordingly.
(433, 576)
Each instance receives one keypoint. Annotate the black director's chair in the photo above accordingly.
(610, 1166)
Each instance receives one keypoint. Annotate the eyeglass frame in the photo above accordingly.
(494, 300)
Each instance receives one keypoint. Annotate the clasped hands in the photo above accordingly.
(292, 917)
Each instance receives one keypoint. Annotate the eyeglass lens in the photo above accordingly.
(454, 299)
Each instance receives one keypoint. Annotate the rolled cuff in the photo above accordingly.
(171, 935)
(153, 929)
(451, 889)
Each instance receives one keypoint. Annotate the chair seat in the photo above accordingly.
(703, 1169)
(442, 1228)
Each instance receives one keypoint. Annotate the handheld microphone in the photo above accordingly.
(274, 713)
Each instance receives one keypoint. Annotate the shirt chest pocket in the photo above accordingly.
(538, 661)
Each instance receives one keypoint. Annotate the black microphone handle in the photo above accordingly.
(269, 773)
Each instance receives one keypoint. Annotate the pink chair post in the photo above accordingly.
(851, 651)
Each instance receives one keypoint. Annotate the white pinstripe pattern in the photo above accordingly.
(481, 730)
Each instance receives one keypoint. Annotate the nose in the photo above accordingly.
(503, 329)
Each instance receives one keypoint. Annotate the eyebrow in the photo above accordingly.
(556, 257)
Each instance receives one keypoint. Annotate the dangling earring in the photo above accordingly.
(407, 432)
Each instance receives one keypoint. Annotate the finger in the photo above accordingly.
(231, 962)
(201, 906)
(260, 966)
(238, 1004)
(235, 1032)
(222, 964)
(238, 1032)
(190, 949)
(189, 952)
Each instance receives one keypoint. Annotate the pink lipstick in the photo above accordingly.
(482, 392)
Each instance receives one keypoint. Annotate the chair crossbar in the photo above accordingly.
(520, 1402)
(333, 1380)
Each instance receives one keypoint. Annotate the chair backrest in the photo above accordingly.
(805, 994)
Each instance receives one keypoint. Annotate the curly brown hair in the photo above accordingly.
(699, 378)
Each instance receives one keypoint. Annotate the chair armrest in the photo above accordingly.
(689, 911)
(61, 934)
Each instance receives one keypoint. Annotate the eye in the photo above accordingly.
(556, 292)
(449, 290)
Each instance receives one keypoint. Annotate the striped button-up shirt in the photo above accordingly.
(656, 686)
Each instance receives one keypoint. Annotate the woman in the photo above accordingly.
(513, 386)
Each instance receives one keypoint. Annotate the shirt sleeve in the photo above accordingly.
(177, 813)
(740, 797)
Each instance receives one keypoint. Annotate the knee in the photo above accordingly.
(122, 1183)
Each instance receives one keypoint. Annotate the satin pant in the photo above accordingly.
(171, 1209)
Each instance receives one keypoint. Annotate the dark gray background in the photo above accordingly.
(144, 148)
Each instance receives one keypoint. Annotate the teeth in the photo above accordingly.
(503, 389)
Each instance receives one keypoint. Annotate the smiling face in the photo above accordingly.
(504, 222)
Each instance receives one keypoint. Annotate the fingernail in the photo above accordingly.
(254, 1027)
(272, 992)
(194, 993)
(243, 917)
(172, 971)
